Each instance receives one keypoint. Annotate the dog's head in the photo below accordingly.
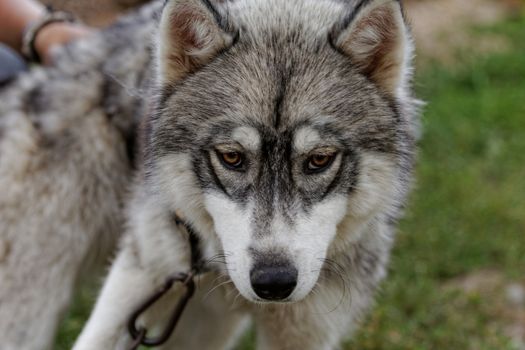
(283, 127)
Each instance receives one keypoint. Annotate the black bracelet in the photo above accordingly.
(30, 33)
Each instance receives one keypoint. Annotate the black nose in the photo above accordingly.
(273, 282)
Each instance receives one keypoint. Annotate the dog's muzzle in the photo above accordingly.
(273, 282)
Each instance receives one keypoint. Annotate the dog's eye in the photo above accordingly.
(319, 162)
(233, 160)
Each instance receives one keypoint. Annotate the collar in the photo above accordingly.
(198, 265)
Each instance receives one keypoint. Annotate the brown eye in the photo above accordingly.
(231, 159)
(319, 162)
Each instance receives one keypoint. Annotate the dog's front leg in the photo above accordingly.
(153, 249)
(127, 284)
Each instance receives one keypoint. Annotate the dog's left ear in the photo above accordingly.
(192, 33)
(377, 40)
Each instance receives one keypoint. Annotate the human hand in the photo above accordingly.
(57, 34)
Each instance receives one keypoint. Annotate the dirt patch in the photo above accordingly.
(506, 300)
(98, 13)
(441, 27)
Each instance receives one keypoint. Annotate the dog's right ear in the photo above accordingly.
(376, 38)
(192, 33)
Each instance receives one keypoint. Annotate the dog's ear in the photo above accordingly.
(376, 38)
(192, 33)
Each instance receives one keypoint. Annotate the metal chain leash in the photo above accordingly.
(139, 334)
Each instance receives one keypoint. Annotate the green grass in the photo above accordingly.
(466, 214)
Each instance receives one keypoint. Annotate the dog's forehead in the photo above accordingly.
(261, 97)
(279, 86)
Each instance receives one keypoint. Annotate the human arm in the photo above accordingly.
(17, 15)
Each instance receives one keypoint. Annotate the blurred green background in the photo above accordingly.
(457, 275)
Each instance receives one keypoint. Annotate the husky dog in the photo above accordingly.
(284, 133)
